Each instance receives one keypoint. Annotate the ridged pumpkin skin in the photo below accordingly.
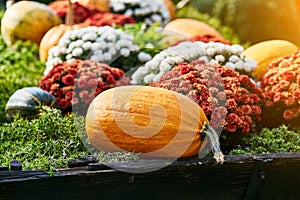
(191, 27)
(27, 20)
(267, 51)
(148, 120)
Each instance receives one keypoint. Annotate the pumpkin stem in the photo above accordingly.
(70, 14)
(214, 142)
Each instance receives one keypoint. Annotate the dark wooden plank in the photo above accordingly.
(12, 175)
(276, 176)
(281, 180)
(194, 178)
(271, 176)
(196, 182)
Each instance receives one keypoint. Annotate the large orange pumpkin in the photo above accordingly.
(153, 121)
(191, 28)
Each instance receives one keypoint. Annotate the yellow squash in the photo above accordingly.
(267, 51)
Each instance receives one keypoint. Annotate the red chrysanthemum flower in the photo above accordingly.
(68, 79)
(296, 95)
(81, 12)
(77, 83)
(217, 89)
(108, 19)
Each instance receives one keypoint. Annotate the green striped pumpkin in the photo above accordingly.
(27, 101)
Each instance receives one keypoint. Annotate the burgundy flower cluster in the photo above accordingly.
(230, 100)
(108, 19)
(89, 15)
(204, 38)
(76, 84)
(281, 85)
(80, 12)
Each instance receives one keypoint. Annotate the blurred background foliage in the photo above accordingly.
(252, 20)
(255, 20)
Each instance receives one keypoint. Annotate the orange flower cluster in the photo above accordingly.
(76, 84)
(229, 99)
(281, 85)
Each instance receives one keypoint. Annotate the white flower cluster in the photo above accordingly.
(212, 53)
(100, 44)
(148, 11)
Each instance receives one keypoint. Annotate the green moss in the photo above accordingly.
(44, 143)
(49, 142)
(280, 139)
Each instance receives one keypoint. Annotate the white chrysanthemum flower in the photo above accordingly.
(212, 61)
(53, 50)
(250, 64)
(230, 65)
(148, 11)
(72, 45)
(97, 57)
(240, 65)
(112, 51)
(125, 52)
(68, 56)
(220, 58)
(237, 49)
(119, 7)
(98, 52)
(149, 77)
(107, 56)
(212, 52)
(128, 12)
(87, 45)
(165, 67)
(144, 57)
(89, 36)
(101, 44)
(64, 41)
(234, 58)
(62, 50)
(78, 51)
(97, 45)
(205, 58)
